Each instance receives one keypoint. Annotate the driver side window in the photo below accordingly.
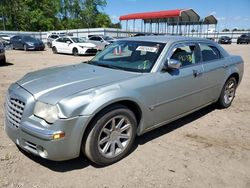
(186, 54)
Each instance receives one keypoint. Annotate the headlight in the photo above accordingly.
(30, 43)
(47, 112)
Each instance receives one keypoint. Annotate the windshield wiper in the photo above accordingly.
(107, 66)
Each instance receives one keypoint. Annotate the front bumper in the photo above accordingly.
(87, 51)
(40, 47)
(225, 42)
(39, 141)
(242, 41)
(36, 136)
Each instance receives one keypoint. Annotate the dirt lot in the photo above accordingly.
(210, 148)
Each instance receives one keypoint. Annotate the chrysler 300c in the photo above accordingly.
(131, 87)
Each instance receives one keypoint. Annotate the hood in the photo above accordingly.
(87, 44)
(51, 85)
(34, 42)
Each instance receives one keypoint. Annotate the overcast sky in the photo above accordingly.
(230, 13)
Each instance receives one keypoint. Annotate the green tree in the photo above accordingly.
(102, 20)
(225, 30)
(43, 15)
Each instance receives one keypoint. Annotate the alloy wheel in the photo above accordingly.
(229, 92)
(114, 136)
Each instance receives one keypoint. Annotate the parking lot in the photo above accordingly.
(209, 148)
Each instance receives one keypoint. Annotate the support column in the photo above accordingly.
(133, 26)
(127, 28)
(178, 26)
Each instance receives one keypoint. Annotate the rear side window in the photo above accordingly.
(61, 40)
(94, 38)
(209, 53)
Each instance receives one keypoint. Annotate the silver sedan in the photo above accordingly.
(131, 87)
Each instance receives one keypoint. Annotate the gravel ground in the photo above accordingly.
(209, 148)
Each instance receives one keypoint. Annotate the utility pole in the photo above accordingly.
(3, 21)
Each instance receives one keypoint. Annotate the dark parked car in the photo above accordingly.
(26, 43)
(245, 38)
(2, 54)
(225, 40)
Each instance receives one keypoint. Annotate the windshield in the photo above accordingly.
(29, 39)
(136, 56)
(78, 40)
(107, 38)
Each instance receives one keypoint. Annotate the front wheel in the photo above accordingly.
(25, 47)
(228, 93)
(3, 61)
(111, 136)
(75, 52)
(54, 50)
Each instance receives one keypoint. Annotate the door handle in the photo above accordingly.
(197, 73)
(225, 65)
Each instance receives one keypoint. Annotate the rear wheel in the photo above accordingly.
(75, 52)
(111, 136)
(54, 50)
(228, 93)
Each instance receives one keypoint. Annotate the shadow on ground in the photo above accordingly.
(81, 162)
(6, 64)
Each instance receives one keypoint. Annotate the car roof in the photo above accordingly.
(166, 39)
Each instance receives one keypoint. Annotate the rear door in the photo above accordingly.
(214, 71)
(60, 44)
(15, 42)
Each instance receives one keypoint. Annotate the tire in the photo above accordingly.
(104, 144)
(54, 50)
(3, 61)
(75, 52)
(228, 93)
(49, 45)
(12, 47)
(25, 47)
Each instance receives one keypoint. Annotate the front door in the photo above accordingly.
(179, 90)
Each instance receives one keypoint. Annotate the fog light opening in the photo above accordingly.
(42, 152)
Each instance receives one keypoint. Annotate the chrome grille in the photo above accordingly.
(15, 109)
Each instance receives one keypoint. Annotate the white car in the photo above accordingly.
(101, 41)
(73, 45)
(5, 39)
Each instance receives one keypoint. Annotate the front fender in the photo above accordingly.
(92, 101)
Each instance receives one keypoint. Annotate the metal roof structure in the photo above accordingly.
(210, 20)
(169, 16)
(178, 21)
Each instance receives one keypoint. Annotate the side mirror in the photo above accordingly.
(172, 64)
(68, 42)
